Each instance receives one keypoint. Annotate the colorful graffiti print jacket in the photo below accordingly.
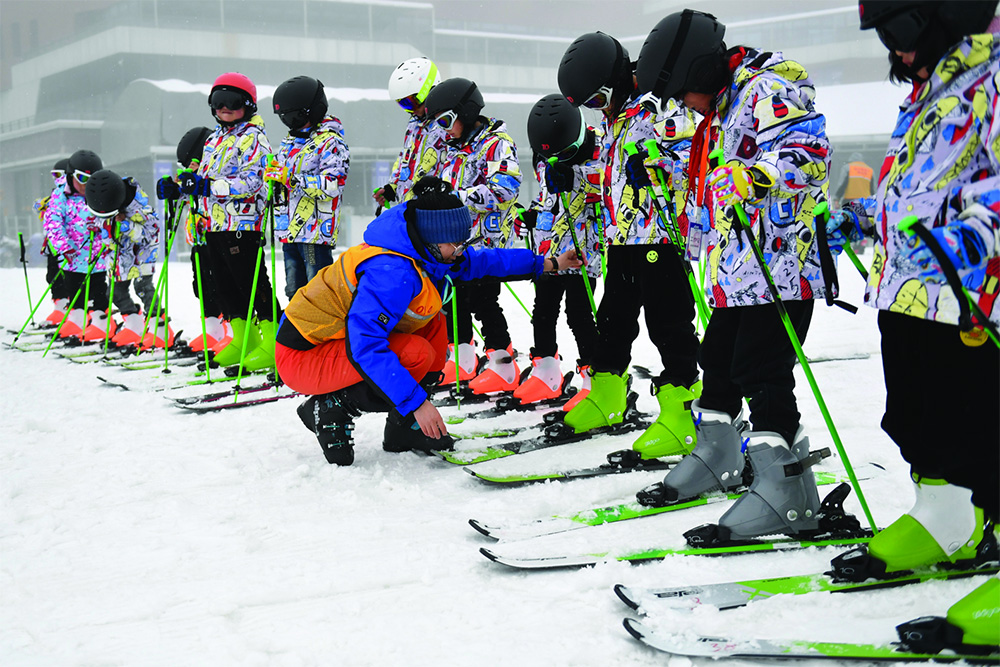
(767, 120)
(235, 158)
(423, 146)
(486, 176)
(943, 161)
(318, 164)
(137, 238)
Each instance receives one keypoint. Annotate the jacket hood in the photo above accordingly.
(754, 63)
(393, 232)
(973, 52)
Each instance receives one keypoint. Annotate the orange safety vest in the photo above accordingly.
(859, 181)
(319, 310)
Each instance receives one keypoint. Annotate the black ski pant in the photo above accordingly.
(650, 278)
(144, 289)
(941, 401)
(210, 300)
(482, 299)
(549, 291)
(75, 282)
(746, 353)
(55, 278)
(234, 258)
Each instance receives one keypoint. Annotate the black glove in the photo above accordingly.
(524, 219)
(193, 184)
(558, 178)
(167, 189)
(635, 170)
(388, 192)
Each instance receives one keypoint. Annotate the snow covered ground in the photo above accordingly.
(134, 534)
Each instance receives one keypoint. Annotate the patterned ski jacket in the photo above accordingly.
(423, 146)
(40, 205)
(318, 164)
(551, 234)
(138, 238)
(943, 161)
(767, 120)
(486, 176)
(68, 225)
(630, 218)
(234, 158)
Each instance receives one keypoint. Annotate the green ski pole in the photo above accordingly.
(794, 338)
(84, 288)
(24, 265)
(111, 292)
(564, 196)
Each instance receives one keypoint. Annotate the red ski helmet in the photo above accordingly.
(223, 90)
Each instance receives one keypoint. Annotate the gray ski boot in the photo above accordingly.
(782, 498)
(716, 463)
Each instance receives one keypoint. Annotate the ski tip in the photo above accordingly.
(634, 628)
(480, 528)
(625, 595)
(489, 554)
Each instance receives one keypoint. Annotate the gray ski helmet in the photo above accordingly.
(593, 61)
(684, 52)
(459, 95)
(83, 160)
(192, 145)
(299, 101)
(106, 194)
(555, 125)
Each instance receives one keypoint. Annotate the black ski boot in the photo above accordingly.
(403, 434)
(331, 418)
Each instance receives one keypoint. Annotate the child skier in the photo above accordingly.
(78, 238)
(557, 129)
(309, 171)
(481, 164)
(134, 233)
(229, 187)
(365, 331)
(644, 271)
(54, 272)
(758, 109)
(190, 150)
(409, 85)
(942, 168)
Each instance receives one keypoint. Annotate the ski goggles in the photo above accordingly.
(446, 120)
(599, 100)
(57, 173)
(570, 151)
(464, 245)
(226, 99)
(654, 103)
(81, 177)
(295, 119)
(409, 103)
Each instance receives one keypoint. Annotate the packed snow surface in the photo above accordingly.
(134, 533)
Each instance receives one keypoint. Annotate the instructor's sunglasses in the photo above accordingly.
(463, 246)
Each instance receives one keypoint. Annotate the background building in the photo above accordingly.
(127, 78)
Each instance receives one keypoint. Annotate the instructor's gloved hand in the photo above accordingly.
(194, 184)
(558, 178)
(166, 188)
(636, 174)
(963, 246)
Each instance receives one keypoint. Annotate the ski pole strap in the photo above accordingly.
(831, 283)
(911, 225)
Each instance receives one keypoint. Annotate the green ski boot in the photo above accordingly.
(972, 625)
(230, 354)
(262, 356)
(603, 406)
(673, 432)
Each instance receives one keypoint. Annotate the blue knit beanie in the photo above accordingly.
(450, 225)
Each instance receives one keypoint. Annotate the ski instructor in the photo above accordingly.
(363, 334)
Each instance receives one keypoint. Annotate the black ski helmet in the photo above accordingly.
(83, 160)
(61, 164)
(901, 25)
(593, 61)
(459, 95)
(556, 127)
(107, 193)
(192, 145)
(299, 101)
(684, 52)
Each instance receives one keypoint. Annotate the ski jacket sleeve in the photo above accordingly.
(509, 263)
(499, 178)
(386, 286)
(328, 180)
(54, 224)
(243, 178)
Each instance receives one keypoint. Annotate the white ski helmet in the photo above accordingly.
(415, 77)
